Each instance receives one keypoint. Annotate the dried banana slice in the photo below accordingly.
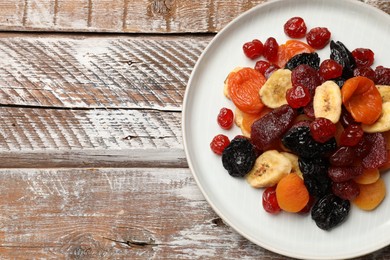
(327, 101)
(383, 122)
(273, 92)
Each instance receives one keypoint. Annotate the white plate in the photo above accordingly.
(351, 22)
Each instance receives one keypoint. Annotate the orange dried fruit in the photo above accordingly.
(243, 88)
(369, 176)
(289, 49)
(291, 193)
(371, 195)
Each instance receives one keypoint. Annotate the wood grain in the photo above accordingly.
(97, 72)
(134, 213)
(146, 16)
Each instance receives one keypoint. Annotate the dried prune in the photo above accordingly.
(340, 174)
(300, 142)
(330, 211)
(311, 59)
(347, 190)
(377, 154)
(315, 176)
(269, 128)
(343, 56)
(239, 157)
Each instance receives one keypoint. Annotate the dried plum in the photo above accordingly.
(311, 59)
(315, 176)
(330, 211)
(343, 56)
(239, 157)
(269, 128)
(300, 142)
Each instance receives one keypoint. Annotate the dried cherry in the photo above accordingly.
(351, 135)
(269, 201)
(219, 143)
(305, 75)
(295, 27)
(330, 69)
(225, 118)
(253, 49)
(298, 96)
(363, 57)
(262, 66)
(318, 37)
(322, 129)
(270, 51)
(367, 72)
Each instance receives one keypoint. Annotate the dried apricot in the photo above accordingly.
(243, 88)
(362, 99)
(289, 49)
(368, 176)
(291, 193)
(371, 195)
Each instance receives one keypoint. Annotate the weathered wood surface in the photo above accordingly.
(136, 213)
(151, 16)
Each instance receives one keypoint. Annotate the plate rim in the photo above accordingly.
(185, 108)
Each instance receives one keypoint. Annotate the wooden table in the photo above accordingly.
(92, 160)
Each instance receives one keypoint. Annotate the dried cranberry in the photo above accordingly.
(322, 129)
(225, 118)
(382, 75)
(340, 174)
(271, 69)
(262, 66)
(295, 27)
(363, 57)
(270, 203)
(367, 72)
(309, 110)
(351, 135)
(347, 190)
(362, 148)
(253, 49)
(343, 156)
(318, 37)
(298, 96)
(330, 69)
(219, 143)
(270, 51)
(305, 75)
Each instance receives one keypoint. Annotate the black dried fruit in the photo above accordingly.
(311, 59)
(344, 57)
(268, 129)
(339, 81)
(330, 211)
(300, 142)
(239, 157)
(315, 176)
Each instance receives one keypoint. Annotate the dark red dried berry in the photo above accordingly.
(270, 51)
(308, 206)
(347, 190)
(351, 135)
(225, 118)
(318, 37)
(298, 96)
(382, 75)
(306, 76)
(253, 49)
(322, 129)
(367, 72)
(341, 174)
(262, 66)
(295, 27)
(343, 156)
(346, 118)
(219, 143)
(363, 57)
(362, 148)
(309, 110)
(330, 69)
(271, 69)
(270, 203)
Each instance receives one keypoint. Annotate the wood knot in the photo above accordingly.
(162, 7)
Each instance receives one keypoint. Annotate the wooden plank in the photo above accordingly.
(116, 213)
(148, 16)
(44, 138)
(97, 72)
